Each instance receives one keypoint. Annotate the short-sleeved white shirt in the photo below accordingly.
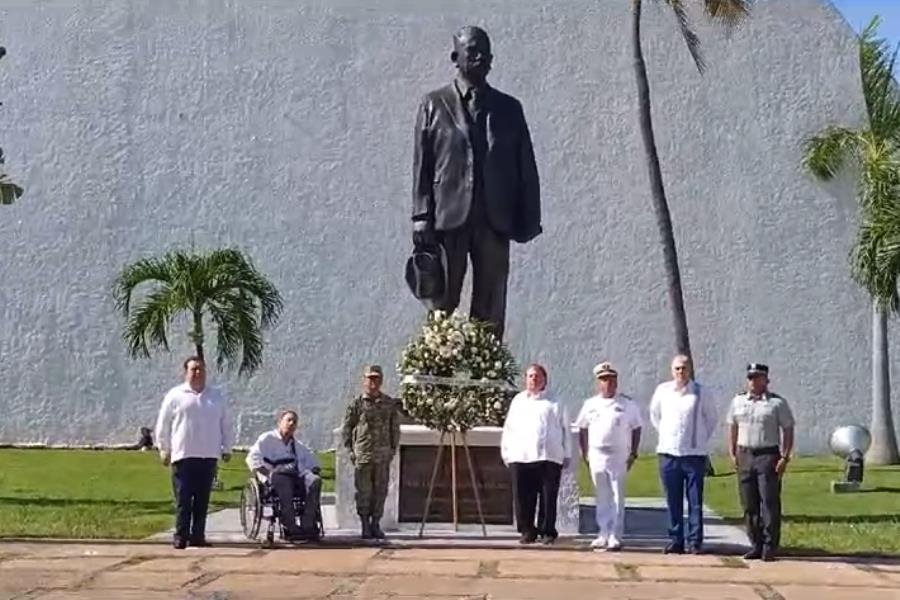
(609, 422)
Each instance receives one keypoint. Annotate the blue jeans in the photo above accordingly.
(682, 475)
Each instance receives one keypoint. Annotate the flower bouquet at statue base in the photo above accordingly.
(456, 374)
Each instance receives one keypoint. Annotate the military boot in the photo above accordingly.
(366, 527)
(375, 528)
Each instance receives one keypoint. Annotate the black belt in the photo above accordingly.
(760, 451)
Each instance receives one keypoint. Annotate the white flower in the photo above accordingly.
(497, 405)
(498, 365)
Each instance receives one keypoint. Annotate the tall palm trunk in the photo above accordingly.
(197, 333)
(884, 440)
(658, 193)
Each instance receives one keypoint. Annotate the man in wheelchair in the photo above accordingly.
(292, 470)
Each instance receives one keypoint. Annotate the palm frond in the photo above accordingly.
(147, 270)
(728, 12)
(233, 270)
(9, 191)
(687, 32)
(880, 171)
(238, 333)
(146, 327)
(826, 153)
(879, 86)
(876, 255)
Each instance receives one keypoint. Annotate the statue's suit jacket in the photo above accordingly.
(443, 165)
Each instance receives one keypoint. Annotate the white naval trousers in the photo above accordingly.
(608, 473)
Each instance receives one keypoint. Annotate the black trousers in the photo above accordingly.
(536, 483)
(760, 489)
(192, 480)
(489, 252)
(300, 485)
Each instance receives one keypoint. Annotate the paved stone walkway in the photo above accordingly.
(645, 527)
(153, 571)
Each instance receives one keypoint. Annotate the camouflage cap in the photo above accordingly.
(373, 371)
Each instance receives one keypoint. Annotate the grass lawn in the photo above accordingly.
(814, 518)
(101, 494)
(127, 494)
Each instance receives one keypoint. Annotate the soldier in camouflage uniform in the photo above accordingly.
(371, 432)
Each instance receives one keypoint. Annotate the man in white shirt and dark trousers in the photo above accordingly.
(610, 433)
(536, 446)
(290, 466)
(685, 419)
(193, 430)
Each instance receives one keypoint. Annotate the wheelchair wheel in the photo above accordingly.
(251, 510)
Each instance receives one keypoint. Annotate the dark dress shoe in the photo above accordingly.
(754, 554)
(548, 540)
(293, 535)
(696, 550)
(673, 548)
(527, 538)
(768, 555)
(179, 543)
(199, 543)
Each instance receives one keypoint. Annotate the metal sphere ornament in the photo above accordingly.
(848, 438)
(850, 443)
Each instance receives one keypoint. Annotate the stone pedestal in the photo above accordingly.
(410, 483)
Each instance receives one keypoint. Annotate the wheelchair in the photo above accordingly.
(259, 503)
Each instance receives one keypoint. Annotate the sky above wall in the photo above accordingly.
(859, 12)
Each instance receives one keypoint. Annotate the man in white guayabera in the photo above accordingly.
(535, 446)
(685, 418)
(609, 434)
(193, 430)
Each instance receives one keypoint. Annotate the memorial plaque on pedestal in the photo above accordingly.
(491, 475)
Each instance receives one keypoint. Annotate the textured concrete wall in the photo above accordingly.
(284, 127)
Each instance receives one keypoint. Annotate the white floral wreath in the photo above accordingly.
(456, 374)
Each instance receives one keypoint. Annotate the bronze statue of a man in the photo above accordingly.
(475, 181)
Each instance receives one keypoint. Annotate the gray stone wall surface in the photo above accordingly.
(285, 128)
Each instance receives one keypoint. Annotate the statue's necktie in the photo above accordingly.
(476, 106)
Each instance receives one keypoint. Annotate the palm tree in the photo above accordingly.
(729, 12)
(9, 191)
(221, 284)
(875, 258)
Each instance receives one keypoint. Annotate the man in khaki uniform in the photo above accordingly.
(371, 432)
(760, 440)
